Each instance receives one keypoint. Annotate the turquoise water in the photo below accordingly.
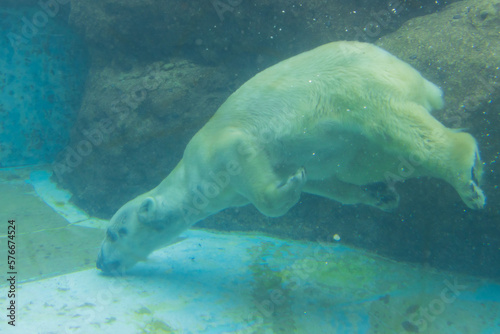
(98, 100)
(42, 77)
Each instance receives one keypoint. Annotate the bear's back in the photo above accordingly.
(326, 83)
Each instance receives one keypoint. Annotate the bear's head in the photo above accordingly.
(137, 228)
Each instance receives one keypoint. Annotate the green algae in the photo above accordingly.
(346, 272)
(157, 327)
(271, 298)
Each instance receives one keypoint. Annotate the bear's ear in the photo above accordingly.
(146, 213)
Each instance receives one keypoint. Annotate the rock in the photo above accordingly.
(458, 49)
(263, 31)
(133, 126)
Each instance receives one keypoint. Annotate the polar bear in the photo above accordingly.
(345, 121)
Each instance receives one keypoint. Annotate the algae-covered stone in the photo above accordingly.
(457, 48)
(132, 117)
(264, 31)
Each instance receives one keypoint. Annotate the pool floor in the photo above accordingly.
(212, 282)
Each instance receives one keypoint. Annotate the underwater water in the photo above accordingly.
(100, 98)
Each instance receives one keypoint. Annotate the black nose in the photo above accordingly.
(106, 267)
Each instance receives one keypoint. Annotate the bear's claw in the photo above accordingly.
(475, 198)
(296, 181)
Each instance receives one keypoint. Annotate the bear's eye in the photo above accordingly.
(111, 235)
(122, 232)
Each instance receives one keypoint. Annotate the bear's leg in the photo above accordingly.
(465, 169)
(378, 194)
(415, 135)
(270, 194)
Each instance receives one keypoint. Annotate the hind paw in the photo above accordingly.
(474, 197)
(382, 196)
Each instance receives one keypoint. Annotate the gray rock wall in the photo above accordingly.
(262, 31)
(133, 126)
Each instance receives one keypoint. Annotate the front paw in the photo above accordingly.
(295, 182)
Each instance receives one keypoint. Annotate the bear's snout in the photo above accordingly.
(106, 267)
